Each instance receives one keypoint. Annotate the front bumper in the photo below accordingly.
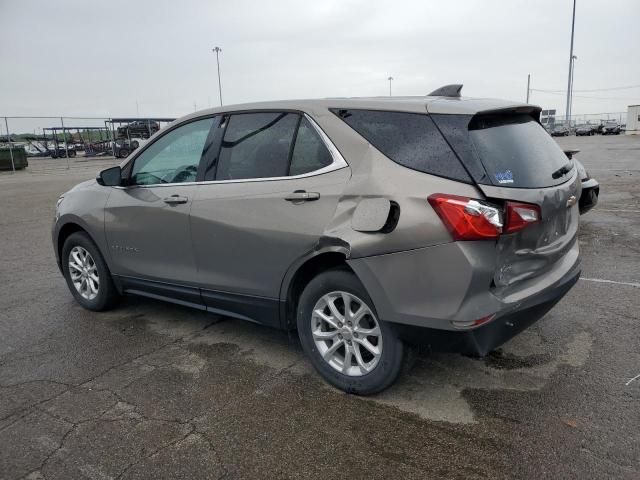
(589, 196)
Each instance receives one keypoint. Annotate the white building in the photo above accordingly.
(633, 120)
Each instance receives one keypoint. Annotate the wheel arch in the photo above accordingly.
(65, 231)
(299, 275)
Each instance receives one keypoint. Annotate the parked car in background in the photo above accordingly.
(590, 186)
(611, 128)
(138, 128)
(59, 150)
(560, 131)
(124, 147)
(138, 142)
(586, 129)
(369, 225)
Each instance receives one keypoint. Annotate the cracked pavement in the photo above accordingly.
(153, 390)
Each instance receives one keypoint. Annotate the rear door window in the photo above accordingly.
(309, 153)
(409, 139)
(256, 145)
(517, 152)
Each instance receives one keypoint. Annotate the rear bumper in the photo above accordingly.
(482, 340)
(433, 295)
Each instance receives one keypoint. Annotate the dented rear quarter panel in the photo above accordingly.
(373, 175)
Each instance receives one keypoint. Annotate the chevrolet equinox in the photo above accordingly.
(370, 225)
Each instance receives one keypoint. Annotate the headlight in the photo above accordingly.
(60, 198)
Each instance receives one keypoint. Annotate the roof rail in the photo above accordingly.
(452, 90)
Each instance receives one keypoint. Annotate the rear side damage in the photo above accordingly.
(465, 296)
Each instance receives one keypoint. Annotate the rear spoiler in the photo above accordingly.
(532, 110)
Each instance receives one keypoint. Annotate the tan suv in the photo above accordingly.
(367, 224)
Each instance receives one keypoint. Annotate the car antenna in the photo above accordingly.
(452, 90)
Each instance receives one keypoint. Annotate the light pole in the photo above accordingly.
(570, 80)
(218, 50)
(573, 67)
(390, 78)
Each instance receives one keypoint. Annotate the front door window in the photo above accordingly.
(174, 158)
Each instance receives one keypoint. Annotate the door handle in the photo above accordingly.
(300, 196)
(175, 200)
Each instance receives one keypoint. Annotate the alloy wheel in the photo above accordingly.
(84, 273)
(346, 333)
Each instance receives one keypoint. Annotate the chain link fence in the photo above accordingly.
(558, 120)
(46, 144)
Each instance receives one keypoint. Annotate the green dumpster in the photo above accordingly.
(19, 158)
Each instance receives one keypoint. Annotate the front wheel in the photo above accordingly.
(87, 274)
(349, 346)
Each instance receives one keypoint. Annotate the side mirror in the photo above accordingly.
(111, 177)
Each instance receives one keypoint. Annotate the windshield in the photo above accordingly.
(517, 152)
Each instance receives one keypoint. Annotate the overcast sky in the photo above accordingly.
(69, 57)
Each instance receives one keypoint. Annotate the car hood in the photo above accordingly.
(83, 185)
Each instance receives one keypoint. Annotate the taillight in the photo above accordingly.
(466, 218)
(520, 215)
(470, 219)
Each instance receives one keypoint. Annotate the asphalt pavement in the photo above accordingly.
(152, 390)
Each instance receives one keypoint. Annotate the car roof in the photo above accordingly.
(415, 104)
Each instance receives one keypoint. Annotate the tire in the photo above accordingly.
(123, 153)
(107, 295)
(381, 370)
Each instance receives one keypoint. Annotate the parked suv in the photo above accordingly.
(611, 128)
(369, 225)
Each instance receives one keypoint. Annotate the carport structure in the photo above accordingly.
(114, 125)
(64, 129)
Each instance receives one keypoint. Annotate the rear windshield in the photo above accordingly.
(410, 139)
(517, 152)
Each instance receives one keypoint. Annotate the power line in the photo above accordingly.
(590, 90)
(549, 92)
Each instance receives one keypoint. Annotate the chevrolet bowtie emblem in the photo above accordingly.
(571, 201)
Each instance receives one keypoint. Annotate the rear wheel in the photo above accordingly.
(86, 273)
(340, 332)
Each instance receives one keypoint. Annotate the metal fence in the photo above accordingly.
(67, 142)
(57, 143)
(584, 119)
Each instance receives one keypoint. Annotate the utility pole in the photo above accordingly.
(528, 86)
(218, 50)
(570, 80)
(390, 79)
(13, 165)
